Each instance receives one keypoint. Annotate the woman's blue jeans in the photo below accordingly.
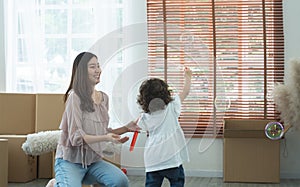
(68, 174)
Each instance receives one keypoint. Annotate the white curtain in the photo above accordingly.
(43, 37)
(42, 40)
(27, 48)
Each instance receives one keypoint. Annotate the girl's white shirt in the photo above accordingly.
(166, 144)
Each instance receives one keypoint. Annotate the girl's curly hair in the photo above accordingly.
(154, 95)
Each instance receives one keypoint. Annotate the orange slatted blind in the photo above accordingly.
(235, 49)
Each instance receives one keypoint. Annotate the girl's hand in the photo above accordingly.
(132, 126)
(187, 73)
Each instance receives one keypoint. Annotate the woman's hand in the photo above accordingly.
(116, 138)
(123, 139)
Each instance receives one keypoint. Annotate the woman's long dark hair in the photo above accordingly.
(154, 90)
(74, 68)
(80, 82)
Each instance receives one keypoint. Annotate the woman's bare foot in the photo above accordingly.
(51, 183)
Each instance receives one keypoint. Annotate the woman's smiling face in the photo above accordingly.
(94, 71)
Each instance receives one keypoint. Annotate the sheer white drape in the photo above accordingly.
(23, 46)
(43, 37)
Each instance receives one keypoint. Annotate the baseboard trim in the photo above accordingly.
(289, 175)
(188, 172)
(136, 171)
(203, 173)
(208, 173)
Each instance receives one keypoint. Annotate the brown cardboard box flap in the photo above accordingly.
(235, 128)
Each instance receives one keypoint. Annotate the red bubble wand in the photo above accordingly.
(133, 141)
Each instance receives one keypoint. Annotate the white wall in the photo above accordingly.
(290, 163)
(2, 51)
(207, 154)
(291, 28)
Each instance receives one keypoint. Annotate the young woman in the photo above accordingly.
(165, 149)
(85, 129)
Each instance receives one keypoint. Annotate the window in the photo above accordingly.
(235, 49)
(44, 36)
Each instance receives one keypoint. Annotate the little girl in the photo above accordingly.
(165, 148)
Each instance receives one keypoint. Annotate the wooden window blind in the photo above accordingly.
(235, 49)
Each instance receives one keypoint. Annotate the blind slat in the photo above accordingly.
(235, 49)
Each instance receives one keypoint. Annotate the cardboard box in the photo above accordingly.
(49, 110)
(17, 113)
(3, 162)
(21, 167)
(53, 161)
(45, 166)
(249, 156)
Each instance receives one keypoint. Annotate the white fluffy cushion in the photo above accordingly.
(41, 142)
